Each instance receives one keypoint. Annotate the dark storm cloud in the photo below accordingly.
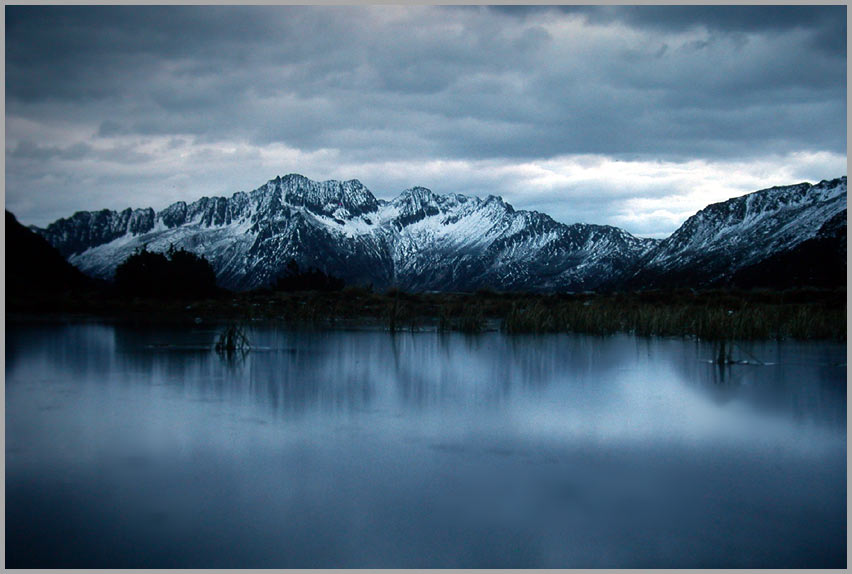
(730, 18)
(29, 151)
(418, 84)
(304, 76)
(826, 25)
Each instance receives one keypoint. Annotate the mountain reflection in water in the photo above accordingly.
(141, 447)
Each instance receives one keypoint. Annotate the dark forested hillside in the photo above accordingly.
(34, 266)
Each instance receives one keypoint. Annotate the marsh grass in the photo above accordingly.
(718, 318)
(712, 315)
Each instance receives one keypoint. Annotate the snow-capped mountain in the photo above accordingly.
(418, 241)
(725, 238)
(425, 241)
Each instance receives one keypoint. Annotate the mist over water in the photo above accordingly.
(140, 447)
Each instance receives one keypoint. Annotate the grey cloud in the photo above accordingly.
(825, 25)
(508, 89)
(829, 20)
(27, 150)
(426, 83)
(736, 18)
(109, 128)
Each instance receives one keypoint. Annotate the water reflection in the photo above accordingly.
(134, 447)
(297, 372)
(802, 380)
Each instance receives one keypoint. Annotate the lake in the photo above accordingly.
(132, 446)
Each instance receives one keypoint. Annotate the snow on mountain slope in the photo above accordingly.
(420, 240)
(816, 262)
(724, 237)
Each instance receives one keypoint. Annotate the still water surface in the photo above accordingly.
(140, 447)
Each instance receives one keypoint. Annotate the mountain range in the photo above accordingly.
(423, 241)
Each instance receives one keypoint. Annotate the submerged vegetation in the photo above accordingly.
(232, 340)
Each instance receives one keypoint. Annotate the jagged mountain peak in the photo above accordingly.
(419, 197)
(419, 190)
(416, 195)
(418, 240)
(425, 240)
(299, 182)
(341, 199)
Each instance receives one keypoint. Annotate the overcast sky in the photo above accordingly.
(628, 116)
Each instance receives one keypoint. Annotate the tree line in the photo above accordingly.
(178, 273)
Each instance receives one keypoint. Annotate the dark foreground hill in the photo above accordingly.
(33, 266)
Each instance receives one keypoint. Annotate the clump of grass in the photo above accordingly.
(471, 320)
(721, 357)
(526, 318)
(401, 313)
(464, 316)
(232, 340)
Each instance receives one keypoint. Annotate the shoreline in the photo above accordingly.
(709, 314)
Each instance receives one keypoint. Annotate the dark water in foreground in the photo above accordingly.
(366, 449)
